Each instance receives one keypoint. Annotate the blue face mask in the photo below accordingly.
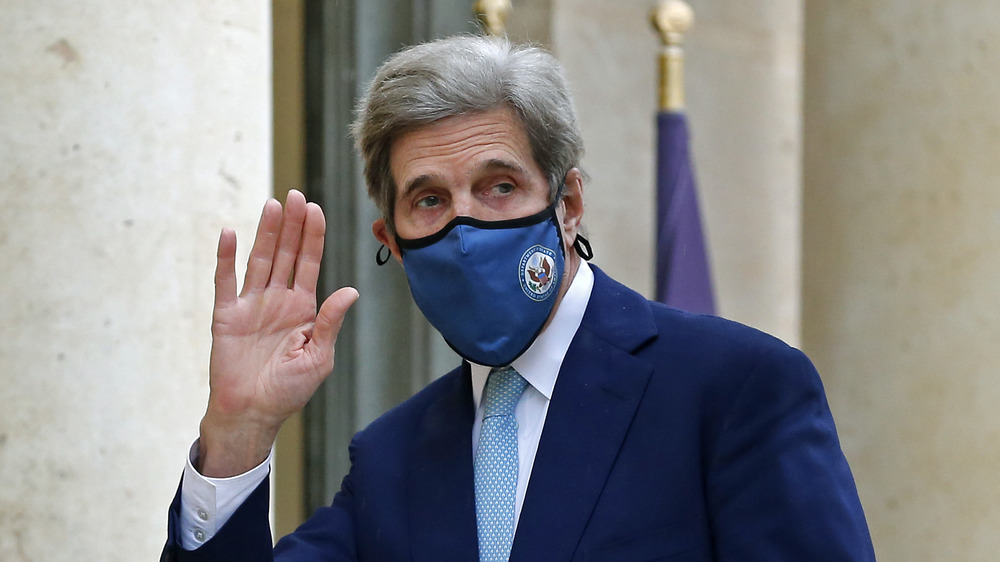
(487, 286)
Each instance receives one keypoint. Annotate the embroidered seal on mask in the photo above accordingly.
(538, 271)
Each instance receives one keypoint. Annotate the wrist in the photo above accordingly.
(226, 450)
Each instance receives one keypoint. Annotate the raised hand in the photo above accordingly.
(270, 348)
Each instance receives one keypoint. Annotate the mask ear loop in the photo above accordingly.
(582, 247)
(378, 255)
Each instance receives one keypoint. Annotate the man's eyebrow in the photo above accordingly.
(416, 183)
(490, 165)
(495, 164)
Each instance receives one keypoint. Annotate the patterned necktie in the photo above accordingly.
(496, 465)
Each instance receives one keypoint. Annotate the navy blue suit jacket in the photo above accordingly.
(669, 436)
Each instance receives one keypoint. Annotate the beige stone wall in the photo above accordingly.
(128, 137)
(902, 229)
(744, 91)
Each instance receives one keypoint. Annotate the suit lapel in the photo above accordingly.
(595, 398)
(441, 503)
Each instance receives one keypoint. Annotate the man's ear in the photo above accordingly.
(572, 205)
(381, 232)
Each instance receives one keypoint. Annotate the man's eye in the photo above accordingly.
(503, 188)
(429, 201)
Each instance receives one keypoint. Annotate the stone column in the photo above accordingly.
(902, 226)
(129, 135)
(743, 95)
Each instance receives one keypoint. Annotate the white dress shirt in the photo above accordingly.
(207, 503)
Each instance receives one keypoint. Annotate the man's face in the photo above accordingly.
(480, 166)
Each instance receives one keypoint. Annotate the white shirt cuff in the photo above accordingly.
(207, 503)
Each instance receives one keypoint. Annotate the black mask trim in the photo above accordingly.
(414, 243)
(582, 247)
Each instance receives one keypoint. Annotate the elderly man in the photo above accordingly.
(586, 423)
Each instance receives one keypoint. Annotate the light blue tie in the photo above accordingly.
(496, 465)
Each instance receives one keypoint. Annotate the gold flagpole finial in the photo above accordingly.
(671, 18)
(492, 15)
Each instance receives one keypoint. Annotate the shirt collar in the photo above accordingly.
(540, 364)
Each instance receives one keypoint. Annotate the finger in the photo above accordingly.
(288, 240)
(331, 318)
(262, 254)
(225, 268)
(311, 253)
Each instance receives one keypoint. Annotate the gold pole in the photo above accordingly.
(671, 18)
(492, 15)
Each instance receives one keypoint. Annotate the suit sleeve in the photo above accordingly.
(246, 537)
(779, 486)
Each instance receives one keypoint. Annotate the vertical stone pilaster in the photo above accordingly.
(128, 137)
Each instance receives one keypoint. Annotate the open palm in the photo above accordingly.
(270, 347)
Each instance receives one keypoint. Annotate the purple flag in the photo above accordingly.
(683, 278)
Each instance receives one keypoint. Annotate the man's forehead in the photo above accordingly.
(492, 140)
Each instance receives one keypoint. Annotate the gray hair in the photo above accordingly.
(466, 75)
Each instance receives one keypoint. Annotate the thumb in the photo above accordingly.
(331, 317)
